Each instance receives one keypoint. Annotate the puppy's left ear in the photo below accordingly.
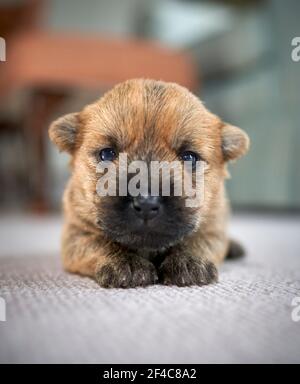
(64, 131)
(235, 142)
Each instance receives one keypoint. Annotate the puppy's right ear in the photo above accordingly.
(63, 132)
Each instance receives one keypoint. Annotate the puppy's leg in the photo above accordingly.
(235, 250)
(195, 262)
(111, 265)
(182, 268)
(126, 270)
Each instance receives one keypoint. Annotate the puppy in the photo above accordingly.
(129, 241)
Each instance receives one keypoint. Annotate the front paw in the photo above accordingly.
(126, 272)
(186, 271)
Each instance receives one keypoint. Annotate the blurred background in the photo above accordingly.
(236, 55)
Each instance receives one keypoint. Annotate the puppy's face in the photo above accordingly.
(148, 121)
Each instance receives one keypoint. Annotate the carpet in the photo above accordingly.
(55, 317)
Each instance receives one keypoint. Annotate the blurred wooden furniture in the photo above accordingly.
(19, 16)
(51, 65)
(16, 17)
(45, 60)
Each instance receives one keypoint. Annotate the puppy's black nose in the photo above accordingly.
(146, 207)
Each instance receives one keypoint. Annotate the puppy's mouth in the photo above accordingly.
(147, 235)
(147, 240)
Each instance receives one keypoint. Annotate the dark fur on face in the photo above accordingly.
(121, 225)
(147, 120)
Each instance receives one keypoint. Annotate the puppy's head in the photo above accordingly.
(148, 121)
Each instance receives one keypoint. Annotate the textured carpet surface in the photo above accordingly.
(56, 317)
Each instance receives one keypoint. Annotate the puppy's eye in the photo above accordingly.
(107, 154)
(190, 156)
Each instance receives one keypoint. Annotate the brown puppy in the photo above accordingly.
(126, 241)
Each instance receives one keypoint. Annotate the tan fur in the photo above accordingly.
(140, 115)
